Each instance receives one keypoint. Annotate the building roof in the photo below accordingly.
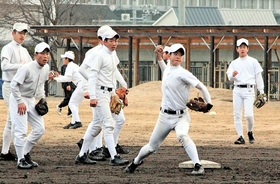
(202, 16)
(194, 16)
(248, 17)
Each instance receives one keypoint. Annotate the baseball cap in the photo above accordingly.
(166, 49)
(110, 34)
(69, 55)
(103, 29)
(242, 40)
(177, 46)
(20, 27)
(41, 47)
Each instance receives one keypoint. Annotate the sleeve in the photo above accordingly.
(120, 79)
(83, 70)
(229, 73)
(7, 66)
(162, 65)
(260, 83)
(92, 81)
(62, 78)
(204, 91)
(16, 82)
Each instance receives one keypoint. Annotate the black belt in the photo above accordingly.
(245, 86)
(172, 112)
(105, 88)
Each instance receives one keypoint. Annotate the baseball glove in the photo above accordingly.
(116, 104)
(42, 107)
(122, 92)
(199, 105)
(260, 100)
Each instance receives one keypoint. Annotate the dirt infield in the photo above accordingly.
(213, 134)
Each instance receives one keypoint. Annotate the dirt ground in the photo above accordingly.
(213, 134)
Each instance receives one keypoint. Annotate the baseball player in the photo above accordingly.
(13, 56)
(68, 88)
(176, 83)
(72, 75)
(96, 150)
(245, 72)
(28, 82)
(101, 88)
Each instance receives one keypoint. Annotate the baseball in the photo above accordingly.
(212, 113)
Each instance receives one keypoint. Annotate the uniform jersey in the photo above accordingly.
(247, 67)
(29, 81)
(71, 74)
(13, 56)
(176, 83)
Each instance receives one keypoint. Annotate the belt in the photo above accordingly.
(106, 88)
(245, 86)
(172, 112)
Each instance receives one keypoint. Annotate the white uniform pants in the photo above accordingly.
(102, 120)
(75, 100)
(20, 124)
(8, 130)
(165, 124)
(243, 97)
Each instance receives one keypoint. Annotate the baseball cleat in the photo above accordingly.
(59, 110)
(121, 150)
(8, 157)
(24, 165)
(67, 126)
(29, 161)
(80, 143)
(97, 155)
(251, 137)
(84, 160)
(77, 124)
(198, 169)
(131, 167)
(240, 140)
(106, 152)
(118, 160)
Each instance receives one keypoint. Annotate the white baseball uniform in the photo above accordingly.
(176, 83)
(72, 74)
(249, 75)
(102, 87)
(13, 56)
(27, 83)
(119, 119)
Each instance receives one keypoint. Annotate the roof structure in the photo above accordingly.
(248, 17)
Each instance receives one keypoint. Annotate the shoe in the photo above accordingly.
(198, 169)
(240, 140)
(8, 157)
(118, 160)
(84, 160)
(29, 161)
(251, 137)
(106, 152)
(80, 143)
(24, 165)
(131, 167)
(67, 126)
(121, 150)
(69, 115)
(58, 110)
(77, 124)
(97, 155)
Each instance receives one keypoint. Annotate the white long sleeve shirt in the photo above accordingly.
(29, 81)
(13, 56)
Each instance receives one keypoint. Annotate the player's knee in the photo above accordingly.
(184, 139)
(109, 130)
